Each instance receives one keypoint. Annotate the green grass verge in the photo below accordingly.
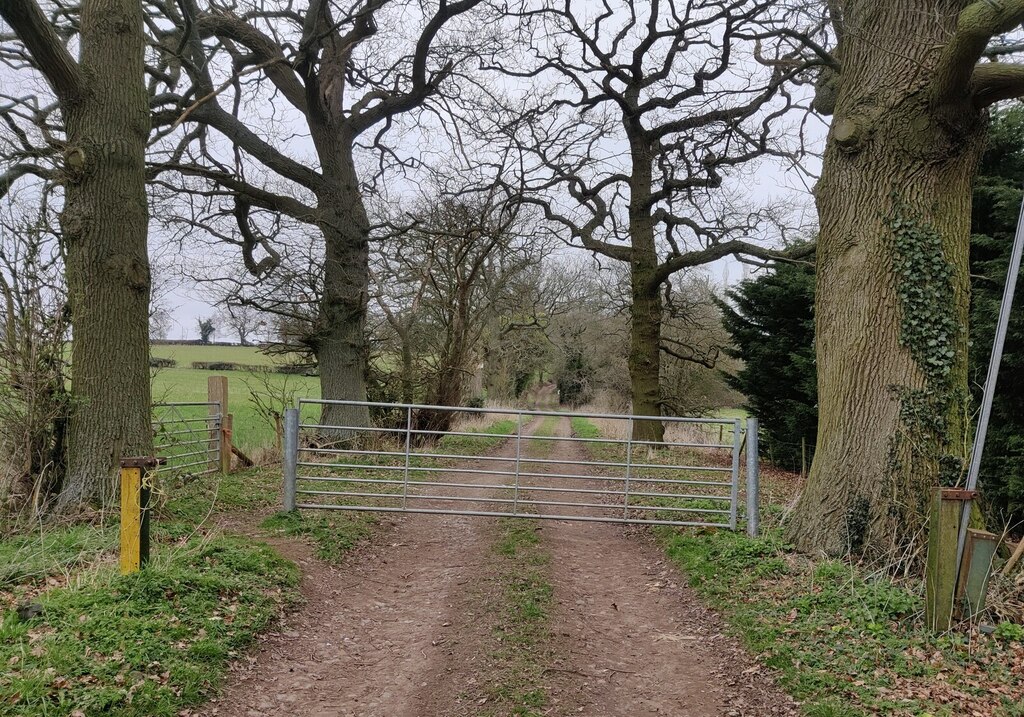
(846, 643)
(145, 644)
(526, 598)
(181, 506)
(538, 447)
(37, 555)
(583, 428)
(333, 536)
(602, 451)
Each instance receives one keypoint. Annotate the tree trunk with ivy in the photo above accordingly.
(894, 202)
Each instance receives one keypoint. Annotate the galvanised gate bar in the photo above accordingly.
(187, 436)
(518, 463)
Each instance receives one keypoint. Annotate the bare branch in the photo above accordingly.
(977, 24)
(46, 47)
(8, 178)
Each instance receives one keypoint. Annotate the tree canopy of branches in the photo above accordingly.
(346, 74)
(642, 111)
(908, 87)
(243, 319)
(440, 281)
(95, 152)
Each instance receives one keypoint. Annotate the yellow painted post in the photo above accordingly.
(135, 513)
(217, 393)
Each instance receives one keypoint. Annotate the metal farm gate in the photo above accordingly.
(519, 463)
(187, 436)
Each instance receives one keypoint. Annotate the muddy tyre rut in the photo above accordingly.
(408, 628)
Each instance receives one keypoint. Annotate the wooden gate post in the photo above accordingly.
(217, 393)
(135, 492)
(226, 429)
(941, 568)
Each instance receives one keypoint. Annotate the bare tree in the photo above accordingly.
(244, 319)
(440, 281)
(160, 322)
(94, 128)
(345, 73)
(644, 109)
(161, 318)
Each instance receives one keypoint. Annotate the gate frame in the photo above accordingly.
(742, 434)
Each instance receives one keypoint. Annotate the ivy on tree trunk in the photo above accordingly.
(909, 101)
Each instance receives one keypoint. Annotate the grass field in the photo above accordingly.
(184, 384)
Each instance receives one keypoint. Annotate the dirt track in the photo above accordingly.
(406, 630)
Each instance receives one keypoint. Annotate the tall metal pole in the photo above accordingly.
(995, 359)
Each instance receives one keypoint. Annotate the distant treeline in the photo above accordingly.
(293, 369)
(197, 342)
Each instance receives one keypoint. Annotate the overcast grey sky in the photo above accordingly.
(771, 182)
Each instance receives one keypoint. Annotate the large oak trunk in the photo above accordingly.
(104, 226)
(645, 358)
(645, 310)
(340, 340)
(892, 292)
